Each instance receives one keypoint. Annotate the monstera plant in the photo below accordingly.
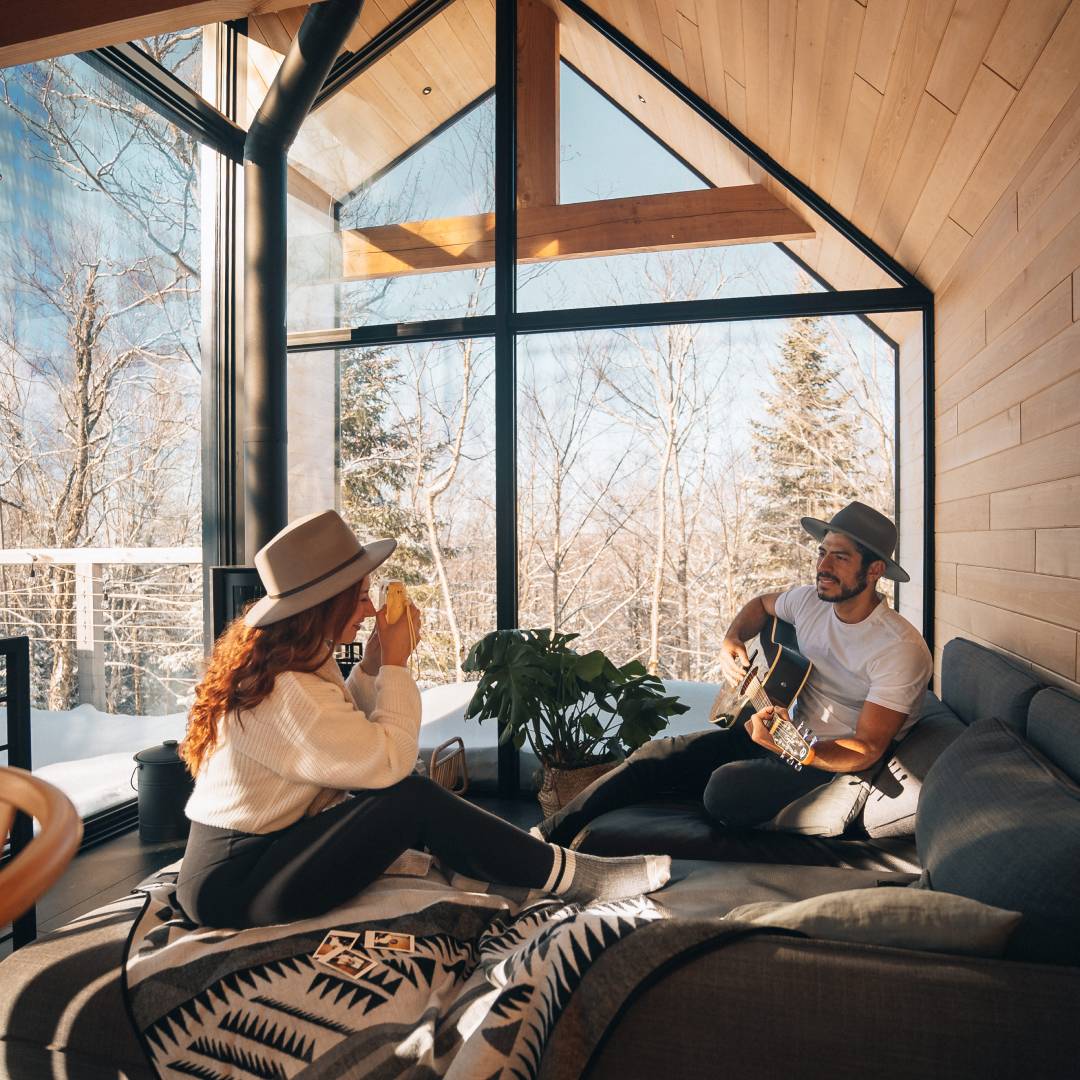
(578, 712)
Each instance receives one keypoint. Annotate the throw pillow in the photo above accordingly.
(1000, 823)
(893, 796)
(900, 918)
(827, 810)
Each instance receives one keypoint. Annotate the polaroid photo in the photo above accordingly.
(389, 941)
(336, 941)
(350, 964)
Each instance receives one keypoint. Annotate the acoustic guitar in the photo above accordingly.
(785, 673)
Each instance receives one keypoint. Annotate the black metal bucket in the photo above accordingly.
(164, 787)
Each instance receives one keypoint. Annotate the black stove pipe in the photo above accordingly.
(321, 37)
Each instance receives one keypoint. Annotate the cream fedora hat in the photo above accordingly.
(310, 560)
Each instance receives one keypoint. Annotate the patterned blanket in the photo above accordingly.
(490, 974)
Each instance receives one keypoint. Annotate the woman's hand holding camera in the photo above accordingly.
(397, 640)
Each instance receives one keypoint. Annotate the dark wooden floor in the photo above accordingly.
(115, 867)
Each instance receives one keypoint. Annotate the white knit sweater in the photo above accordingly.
(310, 740)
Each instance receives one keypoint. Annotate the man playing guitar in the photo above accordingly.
(870, 671)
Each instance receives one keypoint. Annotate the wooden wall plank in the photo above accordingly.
(1060, 157)
(989, 437)
(966, 39)
(714, 45)
(755, 27)
(1007, 549)
(1039, 325)
(1051, 83)
(1053, 457)
(945, 577)
(960, 515)
(1050, 598)
(1024, 635)
(1057, 551)
(986, 103)
(1039, 369)
(1053, 265)
(1051, 505)
(1057, 407)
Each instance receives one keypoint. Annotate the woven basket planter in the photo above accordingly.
(559, 786)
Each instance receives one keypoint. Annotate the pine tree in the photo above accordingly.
(374, 463)
(807, 451)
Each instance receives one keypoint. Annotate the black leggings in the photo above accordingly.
(237, 879)
(740, 783)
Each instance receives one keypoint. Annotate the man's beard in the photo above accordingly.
(846, 592)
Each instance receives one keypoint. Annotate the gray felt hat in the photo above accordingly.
(310, 560)
(869, 527)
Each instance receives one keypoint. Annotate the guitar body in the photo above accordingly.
(776, 681)
(788, 669)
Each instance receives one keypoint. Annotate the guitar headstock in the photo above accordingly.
(796, 743)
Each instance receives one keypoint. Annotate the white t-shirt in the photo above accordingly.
(882, 659)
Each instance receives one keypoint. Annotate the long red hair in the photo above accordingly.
(246, 660)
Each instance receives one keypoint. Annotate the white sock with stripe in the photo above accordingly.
(582, 877)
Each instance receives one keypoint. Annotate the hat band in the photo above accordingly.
(321, 577)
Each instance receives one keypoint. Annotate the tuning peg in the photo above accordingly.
(798, 766)
(813, 740)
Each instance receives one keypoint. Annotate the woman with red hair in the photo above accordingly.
(304, 783)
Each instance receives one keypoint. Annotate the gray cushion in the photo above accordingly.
(977, 682)
(1054, 729)
(893, 795)
(898, 918)
(1000, 823)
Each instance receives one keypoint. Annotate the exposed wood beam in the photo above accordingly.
(537, 105)
(685, 219)
(37, 29)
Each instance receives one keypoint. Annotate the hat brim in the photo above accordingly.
(817, 529)
(268, 610)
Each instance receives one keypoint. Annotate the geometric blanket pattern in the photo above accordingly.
(493, 968)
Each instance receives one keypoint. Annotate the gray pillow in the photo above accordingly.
(894, 792)
(827, 810)
(900, 918)
(1000, 823)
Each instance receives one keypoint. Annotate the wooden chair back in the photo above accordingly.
(35, 869)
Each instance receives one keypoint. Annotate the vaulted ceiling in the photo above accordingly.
(909, 117)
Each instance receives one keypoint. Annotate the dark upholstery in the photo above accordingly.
(999, 822)
(684, 831)
(977, 682)
(1054, 729)
(894, 790)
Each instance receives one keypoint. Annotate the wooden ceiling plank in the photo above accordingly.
(667, 15)
(38, 31)
(711, 37)
(1021, 36)
(732, 28)
(755, 25)
(859, 127)
(537, 105)
(921, 151)
(942, 254)
(881, 31)
(842, 48)
(987, 102)
(810, 29)
(676, 62)
(695, 219)
(483, 17)
(467, 46)
(966, 40)
(690, 39)
(1052, 81)
(782, 20)
(920, 36)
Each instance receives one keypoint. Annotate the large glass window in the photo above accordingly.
(662, 473)
(100, 531)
